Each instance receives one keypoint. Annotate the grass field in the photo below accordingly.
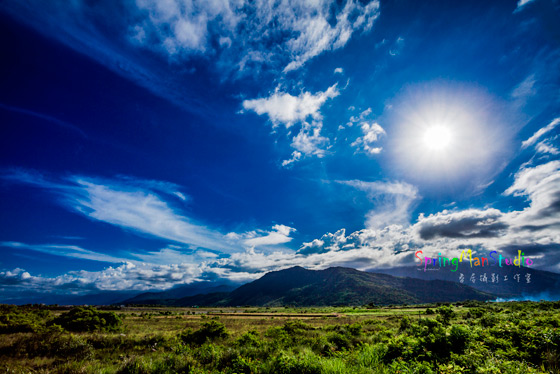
(470, 337)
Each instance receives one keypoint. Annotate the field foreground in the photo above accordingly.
(469, 337)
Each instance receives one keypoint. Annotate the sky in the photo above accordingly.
(147, 144)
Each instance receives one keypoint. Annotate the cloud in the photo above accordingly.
(546, 147)
(392, 201)
(397, 47)
(533, 139)
(235, 38)
(72, 251)
(339, 71)
(127, 276)
(45, 117)
(525, 89)
(241, 34)
(309, 140)
(360, 118)
(296, 156)
(283, 108)
(522, 3)
(279, 234)
(541, 185)
(534, 229)
(371, 134)
(471, 223)
(142, 206)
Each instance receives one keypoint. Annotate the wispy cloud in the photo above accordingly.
(522, 3)
(525, 89)
(242, 32)
(72, 251)
(542, 131)
(142, 206)
(45, 117)
(392, 201)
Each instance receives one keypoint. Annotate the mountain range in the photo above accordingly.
(502, 281)
(297, 286)
(336, 286)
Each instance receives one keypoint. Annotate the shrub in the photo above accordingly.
(446, 313)
(249, 339)
(82, 319)
(15, 319)
(289, 364)
(209, 331)
(475, 313)
(405, 323)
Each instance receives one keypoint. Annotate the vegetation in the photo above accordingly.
(468, 337)
(88, 319)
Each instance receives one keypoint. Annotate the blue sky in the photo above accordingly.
(147, 144)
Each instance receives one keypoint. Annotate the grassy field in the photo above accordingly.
(470, 337)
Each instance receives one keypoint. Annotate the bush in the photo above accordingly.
(405, 323)
(83, 319)
(289, 364)
(249, 339)
(209, 331)
(475, 313)
(446, 313)
(15, 319)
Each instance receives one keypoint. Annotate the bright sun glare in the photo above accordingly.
(437, 138)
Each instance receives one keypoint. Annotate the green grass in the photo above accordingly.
(462, 338)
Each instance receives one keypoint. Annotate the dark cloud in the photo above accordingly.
(466, 224)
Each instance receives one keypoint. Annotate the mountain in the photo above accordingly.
(542, 284)
(168, 296)
(335, 286)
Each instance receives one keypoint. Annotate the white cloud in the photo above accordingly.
(309, 140)
(546, 147)
(360, 118)
(534, 229)
(397, 47)
(279, 234)
(72, 251)
(242, 31)
(392, 242)
(137, 205)
(140, 210)
(339, 71)
(371, 134)
(392, 201)
(522, 3)
(283, 108)
(296, 156)
(533, 139)
(525, 89)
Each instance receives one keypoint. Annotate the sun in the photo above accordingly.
(437, 138)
